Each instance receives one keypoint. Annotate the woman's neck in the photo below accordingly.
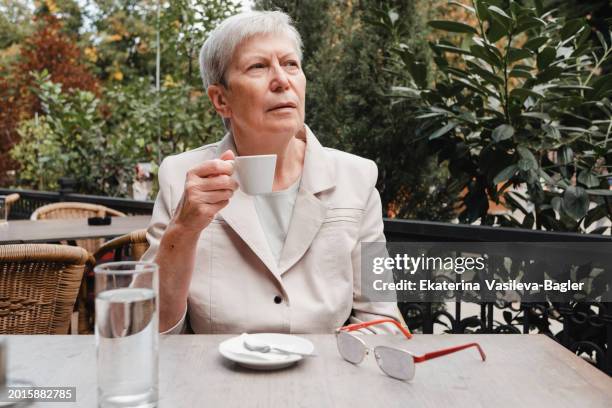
(289, 164)
(289, 159)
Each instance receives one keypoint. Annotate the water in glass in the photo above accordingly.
(126, 337)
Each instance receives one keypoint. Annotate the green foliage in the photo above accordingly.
(313, 19)
(347, 54)
(519, 103)
(98, 138)
(185, 25)
(12, 23)
(152, 127)
(65, 142)
(126, 32)
(37, 152)
(99, 141)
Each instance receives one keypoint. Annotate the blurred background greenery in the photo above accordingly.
(495, 112)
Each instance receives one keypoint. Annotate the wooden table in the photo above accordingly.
(25, 231)
(521, 371)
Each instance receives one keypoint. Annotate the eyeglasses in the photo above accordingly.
(394, 362)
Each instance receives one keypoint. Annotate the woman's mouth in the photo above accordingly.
(286, 106)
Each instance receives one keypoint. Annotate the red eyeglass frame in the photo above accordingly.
(408, 335)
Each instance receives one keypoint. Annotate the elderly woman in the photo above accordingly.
(285, 262)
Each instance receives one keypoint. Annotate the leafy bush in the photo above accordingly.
(68, 140)
(523, 106)
(106, 116)
(47, 48)
(37, 150)
(99, 141)
(150, 126)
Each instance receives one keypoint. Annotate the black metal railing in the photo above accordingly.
(30, 200)
(585, 328)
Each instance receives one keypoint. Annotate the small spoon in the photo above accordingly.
(254, 345)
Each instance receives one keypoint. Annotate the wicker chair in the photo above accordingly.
(39, 284)
(73, 210)
(129, 247)
(76, 210)
(9, 200)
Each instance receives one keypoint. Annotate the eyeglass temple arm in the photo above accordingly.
(357, 326)
(443, 352)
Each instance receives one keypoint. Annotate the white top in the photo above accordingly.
(274, 211)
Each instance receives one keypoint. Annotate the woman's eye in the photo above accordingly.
(293, 64)
(257, 66)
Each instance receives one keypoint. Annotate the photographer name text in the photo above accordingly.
(491, 284)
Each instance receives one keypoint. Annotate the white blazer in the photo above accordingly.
(238, 287)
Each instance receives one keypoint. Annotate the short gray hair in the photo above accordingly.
(218, 50)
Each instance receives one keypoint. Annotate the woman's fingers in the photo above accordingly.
(216, 196)
(212, 168)
(222, 182)
(208, 188)
(227, 155)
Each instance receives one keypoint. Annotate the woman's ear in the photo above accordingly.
(216, 94)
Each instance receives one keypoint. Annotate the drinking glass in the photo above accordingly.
(127, 334)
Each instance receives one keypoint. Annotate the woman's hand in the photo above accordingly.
(208, 188)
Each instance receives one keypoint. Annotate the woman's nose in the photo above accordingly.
(279, 79)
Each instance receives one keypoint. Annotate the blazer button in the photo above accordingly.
(277, 299)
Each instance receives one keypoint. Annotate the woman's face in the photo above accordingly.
(266, 89)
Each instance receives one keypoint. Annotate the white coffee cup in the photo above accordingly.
(255, 174)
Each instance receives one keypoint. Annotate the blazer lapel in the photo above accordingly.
(241, 216)
(308, 213)
(309, 210)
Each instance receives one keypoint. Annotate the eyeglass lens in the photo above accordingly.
(350, 348)
(395, 363)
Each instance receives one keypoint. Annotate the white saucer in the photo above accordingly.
(233, 349)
